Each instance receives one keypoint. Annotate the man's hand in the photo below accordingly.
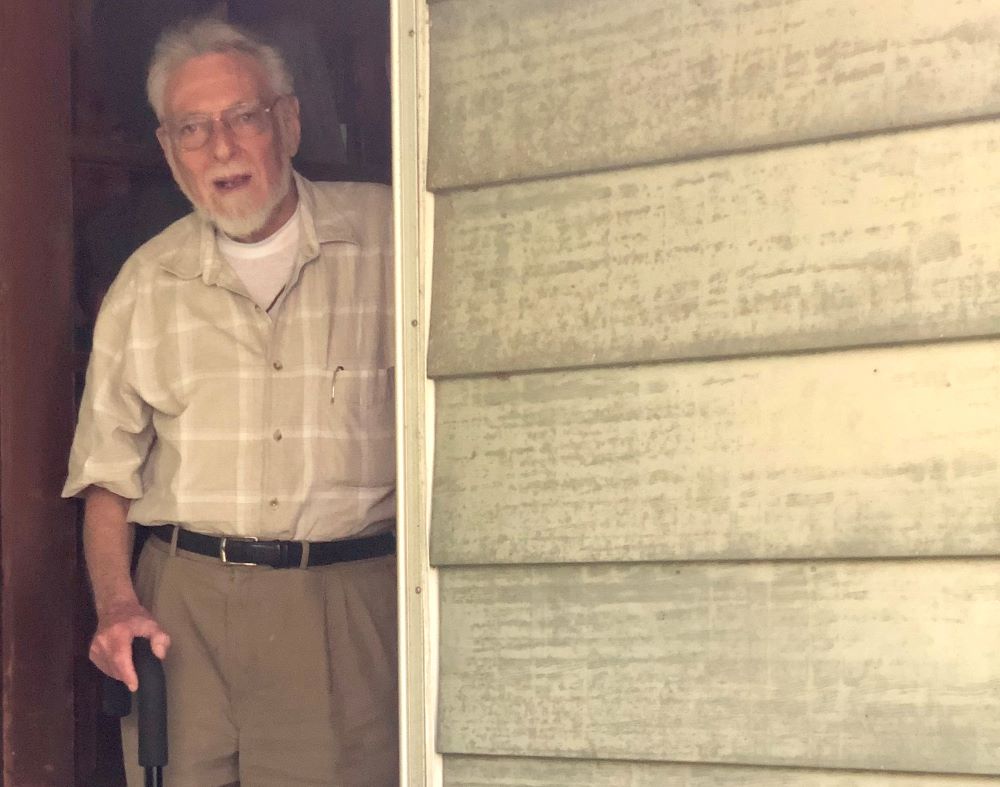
(107, 543)
(111, 648)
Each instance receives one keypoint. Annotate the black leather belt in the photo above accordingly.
(277, 554)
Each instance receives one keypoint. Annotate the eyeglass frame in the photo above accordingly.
(170, 128)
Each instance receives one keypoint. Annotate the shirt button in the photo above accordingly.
(278, 366)
(273, 502)
(277, 434)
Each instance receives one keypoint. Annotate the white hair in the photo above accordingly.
(196, 37)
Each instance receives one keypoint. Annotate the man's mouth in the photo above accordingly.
(231, 183)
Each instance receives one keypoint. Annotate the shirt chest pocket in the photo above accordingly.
(360, 420)
(360, 388)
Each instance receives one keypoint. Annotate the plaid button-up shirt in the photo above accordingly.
(206, 411)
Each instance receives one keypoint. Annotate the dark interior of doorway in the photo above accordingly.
(123, 193)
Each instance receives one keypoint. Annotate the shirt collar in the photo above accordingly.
(198, 254)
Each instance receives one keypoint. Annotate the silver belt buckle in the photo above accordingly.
(226, 560)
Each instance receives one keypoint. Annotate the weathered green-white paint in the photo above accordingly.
(892, 451)
(855, 664)
(890, 238)
(527, 87)
(463, 771)
(756, 495)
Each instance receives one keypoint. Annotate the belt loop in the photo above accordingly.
(304, 563)
(173, 540)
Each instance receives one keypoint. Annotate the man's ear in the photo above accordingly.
(291, 127)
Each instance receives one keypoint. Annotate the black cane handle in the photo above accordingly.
(152, 705)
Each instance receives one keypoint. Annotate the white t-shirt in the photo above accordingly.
(264, 267)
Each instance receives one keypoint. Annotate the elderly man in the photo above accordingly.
(239, 405)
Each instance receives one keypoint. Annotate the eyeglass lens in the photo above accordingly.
(195, 131)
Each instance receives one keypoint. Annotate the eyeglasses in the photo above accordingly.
(244, 122)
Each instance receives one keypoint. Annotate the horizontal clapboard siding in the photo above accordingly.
(462, 771)
(714, 504)
(522, 88)
(860, 664)
(878, 452)
(858, 242)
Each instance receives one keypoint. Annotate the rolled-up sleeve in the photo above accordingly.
(114, 430)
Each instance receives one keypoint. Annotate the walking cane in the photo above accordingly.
(152, 709)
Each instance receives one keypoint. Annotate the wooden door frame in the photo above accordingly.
(37, 528)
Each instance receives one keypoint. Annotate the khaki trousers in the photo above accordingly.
(275, 677)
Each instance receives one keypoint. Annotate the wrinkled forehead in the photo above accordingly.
(214, 82)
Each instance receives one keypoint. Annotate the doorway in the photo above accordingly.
(123, 193)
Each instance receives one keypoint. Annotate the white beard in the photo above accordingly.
(240, 223)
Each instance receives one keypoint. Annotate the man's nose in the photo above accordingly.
(222, 141)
